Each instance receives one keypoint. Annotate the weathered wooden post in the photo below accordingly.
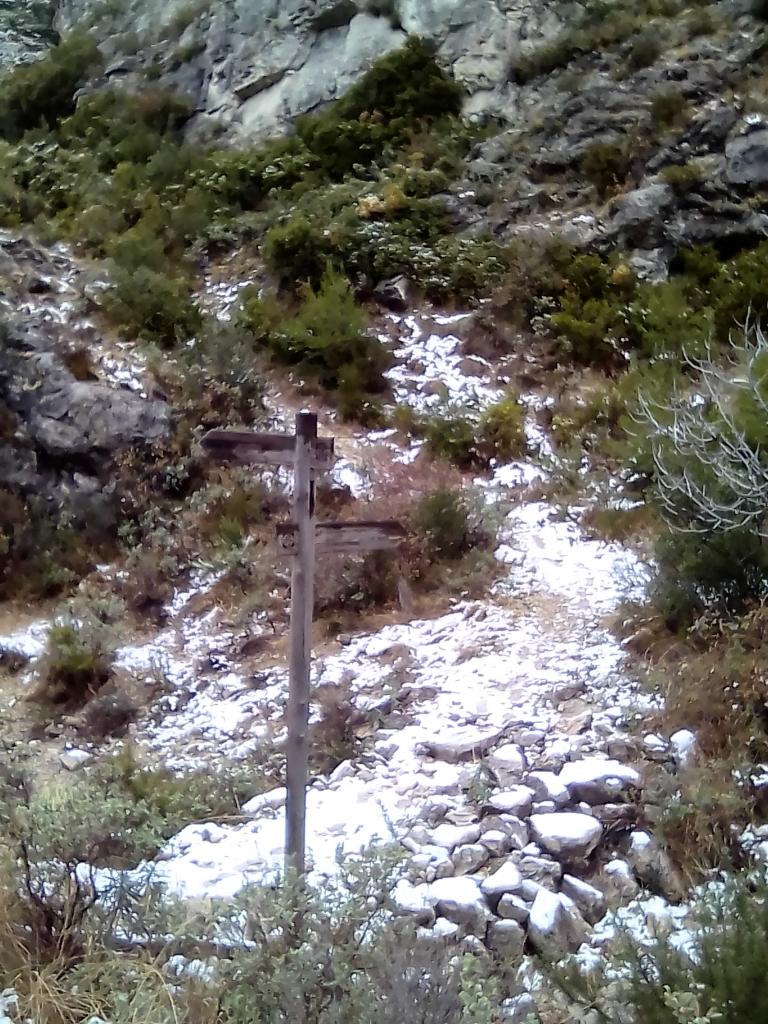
(301, 539)
(302, 598)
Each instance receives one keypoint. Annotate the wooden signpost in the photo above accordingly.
(302, 539)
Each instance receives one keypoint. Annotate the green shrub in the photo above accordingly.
(42, 93)
(741, 290)
(716, 975)
(398, 93)
(297, 251)
(442, 518)
(645, 50)
(327, 338)
(702, 22)
(667, 108)
(450, 434)
(153, 306)
(501, 431)
(77, 661)
(683, 178)
(606, 165)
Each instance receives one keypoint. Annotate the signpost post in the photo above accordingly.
(301, 539)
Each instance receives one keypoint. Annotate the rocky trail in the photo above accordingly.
(505, 741)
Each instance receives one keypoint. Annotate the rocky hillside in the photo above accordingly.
(514, 256)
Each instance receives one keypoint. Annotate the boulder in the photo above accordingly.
(496, 842)
(415, 901)
(548, 786)
(467, 859)
(506, 937)
(513, 907)
(461, 901)
(590, 901)
(654, 867)
(640, 215)
(465, 744)
(597, 780)
(516, 800)
(450, 836)
(508, 763)
(566, 834)
(506, 880)
(555, 926)
(747, 158)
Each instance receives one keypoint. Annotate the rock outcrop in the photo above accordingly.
(255, 65)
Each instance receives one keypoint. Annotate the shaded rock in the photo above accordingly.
(460, 900)
(508, 763)
(516, 800)
(590, 901)
(109, 714)
(507, 879)
(415, 901)
(747, 158)
(542, 870)
(597, 780)
(566, 834)
(520, 1009)
(513, 907)
(450, 836)
(654, 867)
(555, 927)
(506, 937)
(467, 859)
(72, 759)
(617, 880)
(465, 744)
(496, 842)
(548, 786)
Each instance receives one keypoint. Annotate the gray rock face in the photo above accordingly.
(747, 157)
(263, 62)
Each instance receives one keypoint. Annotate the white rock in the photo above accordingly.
(72, 759)
(508, 762)
(653, 866)
(516, 800)
(461, 901)
(450, 836)
(566, 834)
(506, 879)
(467, 859)
(548, 786)
(597, 780)
(416, 901)
(496, 842)
(590, 901)
(273, 799)
(555, 927)
(619, 882)
(513, 907)
(467, 742)
(684, 746)
(541, 869)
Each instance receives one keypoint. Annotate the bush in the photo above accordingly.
(297, 250)
(724, 571)
(398, 93)
(501, 431)
(683, 178)
(450, 434)
(41, 94)
(443, 519)
(153, 306)
(715, 975)
(667, 108)
(326, 338)
(77, 661)
(645, 50)
(606, 165)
